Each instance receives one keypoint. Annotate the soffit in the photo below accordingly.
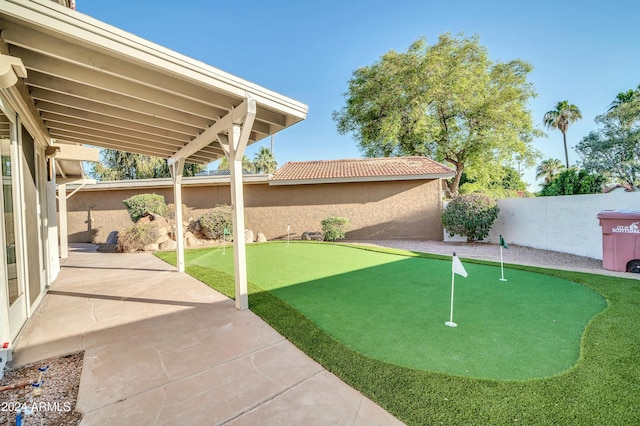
(94, 84)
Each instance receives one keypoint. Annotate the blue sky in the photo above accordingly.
(583, 51)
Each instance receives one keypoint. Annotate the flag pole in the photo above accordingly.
(501, 266)
(502, 244)
(450, 323)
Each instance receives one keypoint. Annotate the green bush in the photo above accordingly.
(470, 215)
(572, 182)
(214, 222)
(334, 228)
(140, 204)
(137, 237)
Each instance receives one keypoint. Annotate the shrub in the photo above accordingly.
(334, 228)
(470, 215)
(572, 182)
(213, 222)
(137, 237)
(140, 204)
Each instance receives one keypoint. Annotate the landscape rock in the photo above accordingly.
(312, 236)
(190, 239)
(168, 245)
(261, 238)
(248, 236)
(151, 247)
(112, 238)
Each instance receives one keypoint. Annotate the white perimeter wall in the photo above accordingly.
(566, 224)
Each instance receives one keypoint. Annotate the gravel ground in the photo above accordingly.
(515, 254)
(57, 402)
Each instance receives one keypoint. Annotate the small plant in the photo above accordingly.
(334, 228)
(215, 221)
(140, 204)
(470, 215)
(137, 237)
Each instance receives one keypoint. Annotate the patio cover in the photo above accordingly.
(81, 81)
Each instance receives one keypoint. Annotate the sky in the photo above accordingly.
(584, 51)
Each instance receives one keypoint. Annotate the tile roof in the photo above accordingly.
(361, 169)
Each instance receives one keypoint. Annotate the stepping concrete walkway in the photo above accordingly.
(163, 348)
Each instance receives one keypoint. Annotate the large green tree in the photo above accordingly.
(120, 165)
(448, 101)
(561, 118)
(614, 149)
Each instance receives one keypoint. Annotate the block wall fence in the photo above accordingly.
(566, 224)
(377, 210)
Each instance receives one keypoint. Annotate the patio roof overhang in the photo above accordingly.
(76, 80)
(91, 83)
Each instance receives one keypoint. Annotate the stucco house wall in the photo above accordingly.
(408, 209)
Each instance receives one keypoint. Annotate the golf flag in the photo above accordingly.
(457, 266)
(502, 243)
(288, 229)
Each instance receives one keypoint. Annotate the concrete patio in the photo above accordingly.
(163, 348)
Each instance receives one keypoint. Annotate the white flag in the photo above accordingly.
(458, 268)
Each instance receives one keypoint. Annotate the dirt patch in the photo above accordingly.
(53, 402)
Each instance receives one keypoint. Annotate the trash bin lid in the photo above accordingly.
(619, 214)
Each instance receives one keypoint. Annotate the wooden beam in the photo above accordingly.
(237, 116)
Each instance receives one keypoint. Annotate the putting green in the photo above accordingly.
(393, 308)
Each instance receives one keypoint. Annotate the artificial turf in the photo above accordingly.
(393, 308)
(602, 388)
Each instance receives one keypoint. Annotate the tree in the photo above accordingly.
(548, 169)
(247, 165)
(560, 118)
(626, 107)
(572, 182)
(120, 165)
(447, 101)
(264, 161)
(505, 183)
(614, 149)
(625, 98)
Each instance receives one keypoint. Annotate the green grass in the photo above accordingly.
(602, 388)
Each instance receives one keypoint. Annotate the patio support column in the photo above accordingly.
(237, 145)
(62, 224)
(177, 169)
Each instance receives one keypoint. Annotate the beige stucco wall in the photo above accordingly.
(376, 210)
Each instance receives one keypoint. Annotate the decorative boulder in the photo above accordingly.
(261, 238)
(248, 236)
(312, 236)
(190, 239)
(112, 238)
(168, 245)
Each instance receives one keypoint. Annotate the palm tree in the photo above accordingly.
(625, 98)
(548, 169)
(247, 165)
(264, 161)
(560, 118)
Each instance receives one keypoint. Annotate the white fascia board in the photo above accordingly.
(76, 153)
(360, 179)
(49, 16)
(168, 182)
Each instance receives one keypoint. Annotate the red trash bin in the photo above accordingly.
(620, 240)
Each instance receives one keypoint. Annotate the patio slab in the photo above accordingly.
(163, 348)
